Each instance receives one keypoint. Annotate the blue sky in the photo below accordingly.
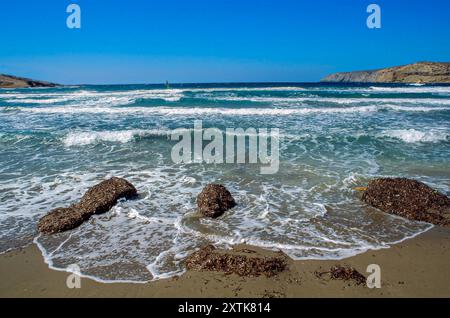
(146, 41)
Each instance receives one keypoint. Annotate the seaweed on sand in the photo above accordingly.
(345, 273)
(210, 259)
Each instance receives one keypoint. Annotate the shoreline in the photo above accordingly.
(416, 267)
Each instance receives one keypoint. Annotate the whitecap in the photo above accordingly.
(416, 136)
(80, 138)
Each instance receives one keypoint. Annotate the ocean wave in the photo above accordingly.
(335, 100)
(246, 89)
(116, 98)
(93, 98)
(82, 138)
(36, 101)
(411, 89)
(185, 111)
(123, 136)
(88, 98)
(416, 136)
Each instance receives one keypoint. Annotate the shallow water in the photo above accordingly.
(57, 142)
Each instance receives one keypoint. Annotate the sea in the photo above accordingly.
(55, 143)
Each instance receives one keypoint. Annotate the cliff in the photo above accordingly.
(8, 81)
(422, 72)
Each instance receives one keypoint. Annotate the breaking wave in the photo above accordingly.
(185, 111)
(124, 136)
(415, 136)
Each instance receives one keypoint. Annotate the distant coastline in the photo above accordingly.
(9, 81)
(416, 73)
(421, 72)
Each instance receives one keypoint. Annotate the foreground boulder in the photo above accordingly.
(241, 262)
(214, 200)
(98, 199)
(410, 199)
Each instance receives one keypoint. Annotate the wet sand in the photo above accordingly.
(419, 267)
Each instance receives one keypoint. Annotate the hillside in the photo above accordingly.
(8, 81)
(422, 72)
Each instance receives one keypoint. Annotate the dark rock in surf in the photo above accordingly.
(238, 262)
(214, 200)
(410, 199)
(103, 196)
(62, 219)
(98, 199)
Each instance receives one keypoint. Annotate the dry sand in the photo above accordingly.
(418, 267)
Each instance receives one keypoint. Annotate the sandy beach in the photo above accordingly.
(417, 267)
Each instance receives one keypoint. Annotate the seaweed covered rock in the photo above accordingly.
(98, 199)
(62, 219)
(103, 196)
(243, 263)
(214, 200)
(410, 199)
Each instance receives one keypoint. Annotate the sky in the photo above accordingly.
(147, 41)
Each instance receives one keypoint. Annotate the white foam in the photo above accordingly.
(48, 260)
(122, 136)
(245, 89)
(195, 111)
(92, 98)
(417, 84)
(83, 138)
(416, 136)
(335, 100)
(36, 100)
(95, 99)
(415, 108)
(414, 88)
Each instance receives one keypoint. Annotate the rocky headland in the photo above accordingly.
(421, 72)
(9, 81)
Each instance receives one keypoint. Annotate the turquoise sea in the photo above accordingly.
(57, 142)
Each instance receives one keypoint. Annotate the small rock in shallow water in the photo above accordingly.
(214, 200)
(410, 199)
(98, 199)
(211, 259)
(103, 196)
